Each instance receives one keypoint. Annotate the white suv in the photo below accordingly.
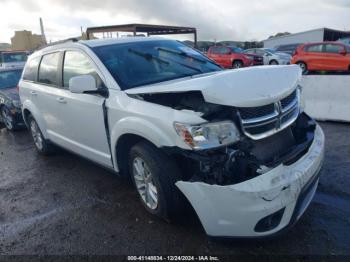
(236, 144)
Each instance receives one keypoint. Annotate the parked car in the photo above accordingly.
(10, 104)
(235, 143)
(289, 48)
(324, 56)
(13, 59)
(271, 56)
(230, 57)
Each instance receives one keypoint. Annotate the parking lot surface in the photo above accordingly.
(63, 204)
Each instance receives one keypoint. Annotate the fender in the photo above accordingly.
(141, 127)
(29, 105)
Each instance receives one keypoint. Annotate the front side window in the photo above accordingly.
(48, 69)
(9, 78)
(330, 48)
(260, 52)
(146, 62)
(76, 64)
(31, 69)
(314, 48)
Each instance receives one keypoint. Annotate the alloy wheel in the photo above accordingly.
(37, 137)
(7, 118)
(144, 183)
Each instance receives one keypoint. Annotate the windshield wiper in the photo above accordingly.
(182, 54)
(148, 56)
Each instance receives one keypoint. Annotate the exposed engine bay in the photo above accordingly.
(243, 160)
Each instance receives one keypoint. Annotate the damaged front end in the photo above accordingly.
(254, 178)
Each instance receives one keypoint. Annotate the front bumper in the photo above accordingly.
(237, 210)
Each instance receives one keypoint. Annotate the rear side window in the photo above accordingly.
(76, 64)
(31, 69)
(48, 70)
(215, 50)
(329, 48)
(314, 48)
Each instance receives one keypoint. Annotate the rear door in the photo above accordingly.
(313, 56)
(81, 125)
(226, 56)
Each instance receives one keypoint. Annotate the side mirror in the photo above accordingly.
(342, 52)
(82, 84)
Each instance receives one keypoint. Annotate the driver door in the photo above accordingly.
(81, 127)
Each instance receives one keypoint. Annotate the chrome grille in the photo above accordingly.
(263, 121)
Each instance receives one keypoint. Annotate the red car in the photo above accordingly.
(232, 57)
(325, 56)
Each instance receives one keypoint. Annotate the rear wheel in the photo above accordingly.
(42, 145)
(154, 175)
(237, 64)
(7, 118)
(303, 67)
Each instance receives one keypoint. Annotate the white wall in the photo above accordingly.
(304, 37)
(327, 97)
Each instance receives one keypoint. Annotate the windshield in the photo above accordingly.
(141, 63)
(9, 78)
(14, 57)
(270, 50)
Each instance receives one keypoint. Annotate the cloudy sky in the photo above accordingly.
(219, 19)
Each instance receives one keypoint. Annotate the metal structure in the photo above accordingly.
(316, 35)
(144, 28)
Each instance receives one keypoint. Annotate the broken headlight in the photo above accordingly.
(208, 135)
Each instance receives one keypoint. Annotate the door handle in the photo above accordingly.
(33, 93)
(61, 100)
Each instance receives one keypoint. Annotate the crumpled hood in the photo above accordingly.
(246, 87)
(11, 93)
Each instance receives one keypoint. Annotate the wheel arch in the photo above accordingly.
(28, 109)
(127, 132)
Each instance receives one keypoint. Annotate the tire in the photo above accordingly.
(237, 64)
(154, 175)
(303, 67)
(273, 62)
(7, 119)
(42, 145)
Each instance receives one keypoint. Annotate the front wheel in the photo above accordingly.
(42, 145)
(273, 62)
(237, 64)
(154, 175)
(303, 67)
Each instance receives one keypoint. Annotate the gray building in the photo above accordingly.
(316, 35)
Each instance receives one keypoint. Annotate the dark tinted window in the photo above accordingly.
(48, 70)
(329, 48)
(145, 62)
(75, 64)
(215, 50)
(314, 48)
(14, 57)
(9, 78)
(31, 69)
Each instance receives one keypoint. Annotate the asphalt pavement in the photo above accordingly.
(64, 204)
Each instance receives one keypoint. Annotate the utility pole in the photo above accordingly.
(42, 30)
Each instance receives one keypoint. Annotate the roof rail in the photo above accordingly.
(72, 39)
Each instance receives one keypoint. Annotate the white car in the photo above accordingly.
(236, 144)
(271, 56)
